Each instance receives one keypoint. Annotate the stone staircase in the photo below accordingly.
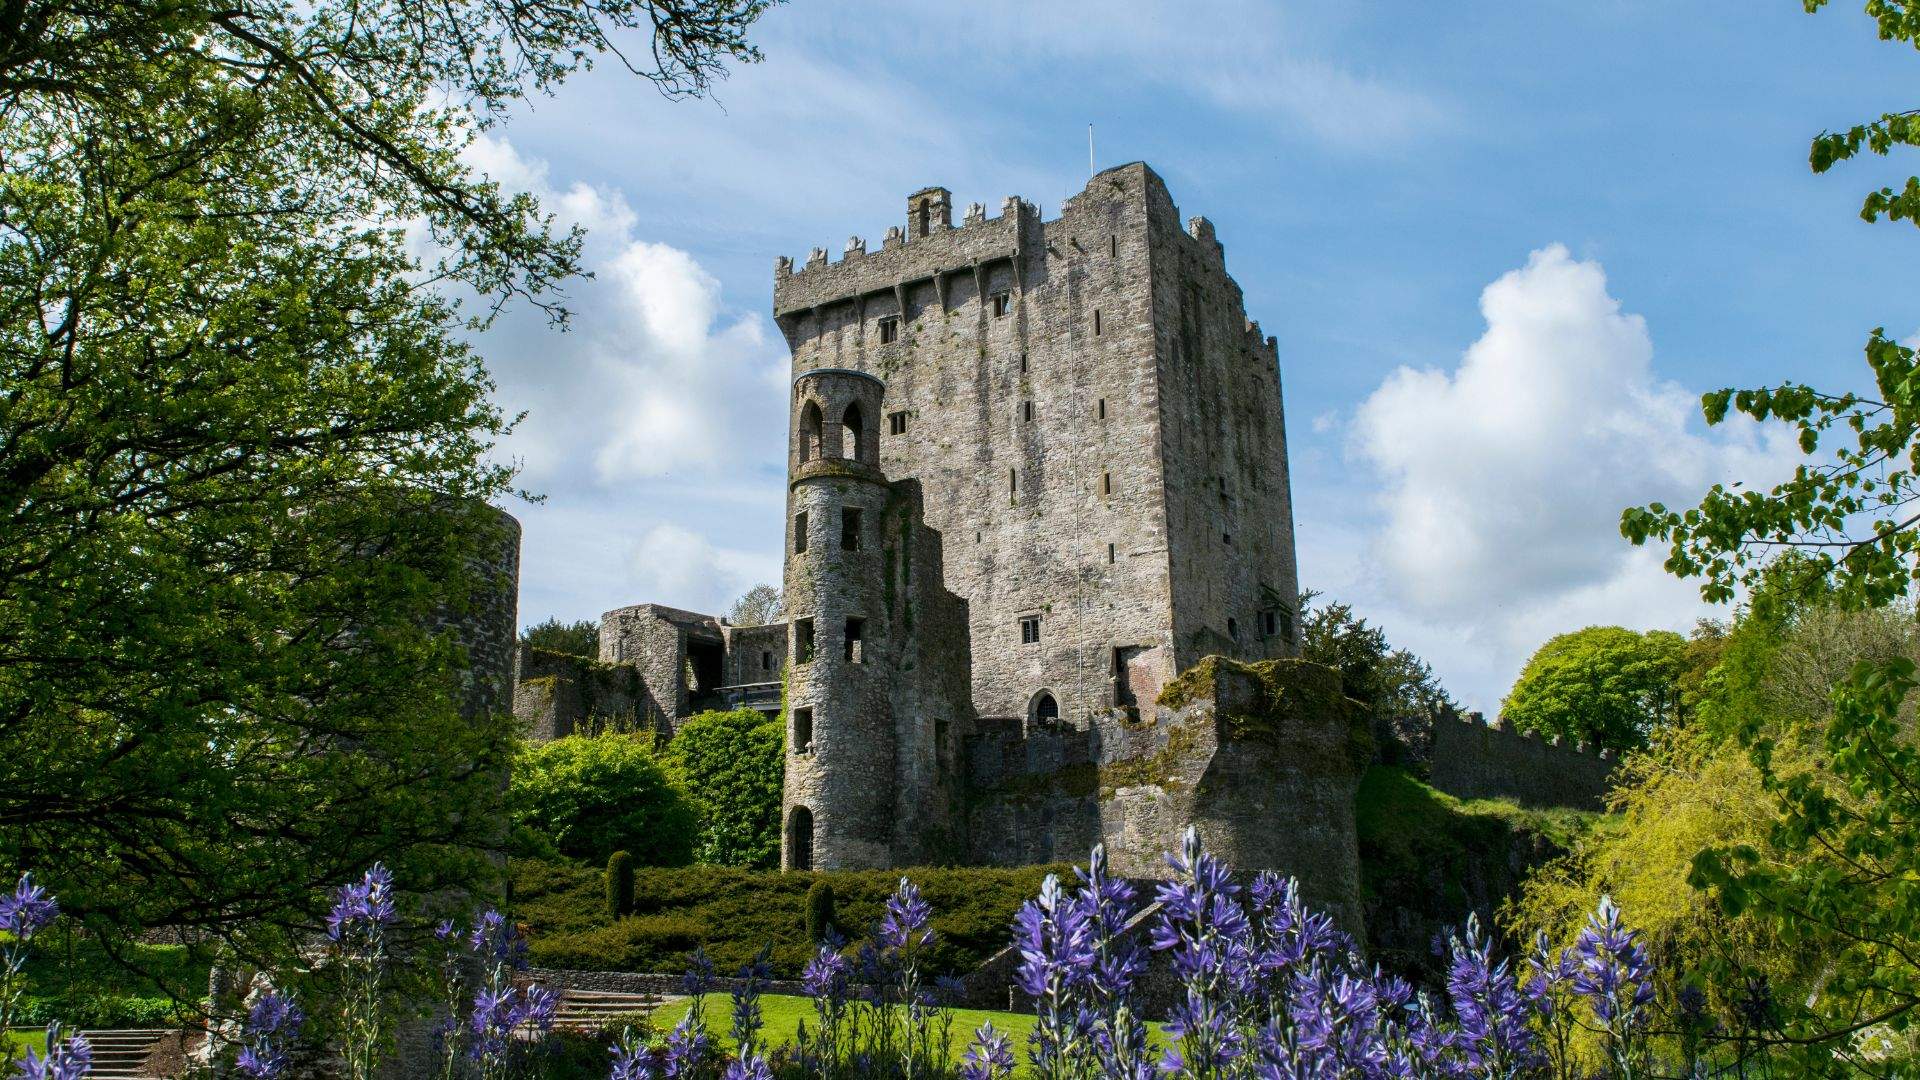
(122, 1054)
(587, 1011)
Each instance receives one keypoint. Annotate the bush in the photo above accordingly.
(731, 913)
(820, 910)
(575, 639)
(619, 884)
(732, 764)
(594, 795)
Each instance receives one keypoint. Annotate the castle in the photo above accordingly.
(1037, 482)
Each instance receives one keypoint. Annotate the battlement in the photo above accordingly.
(1473, 759)
(903, 259)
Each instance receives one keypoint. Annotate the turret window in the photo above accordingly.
(850, 528)
(800, 533)
(802, 641)
(856, 635)
(803, 731)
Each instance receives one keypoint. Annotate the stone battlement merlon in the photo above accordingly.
(903, 260)
(1502, 727)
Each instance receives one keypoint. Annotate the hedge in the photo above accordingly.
(731, 912)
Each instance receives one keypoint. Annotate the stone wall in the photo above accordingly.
(556, 695)
(1475, 760)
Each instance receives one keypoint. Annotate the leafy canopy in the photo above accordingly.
(733, 767)
(757, 606)
(1398, 687)
(594, 795)
(243, 445)
(1605, 686)
(574, 639)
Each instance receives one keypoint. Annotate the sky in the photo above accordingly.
(1504, 249)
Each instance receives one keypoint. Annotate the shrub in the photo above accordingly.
(575, 639)
(732, 764)
(820, 910)
(594, 795)
(731, 913)
(619, 884)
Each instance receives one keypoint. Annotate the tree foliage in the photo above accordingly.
(1399, 687)
(1606, 686)
(574, 639)
(757, 606)
(732, 764)
(243, 446)
(595, 795)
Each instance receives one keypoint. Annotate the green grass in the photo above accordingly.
(24, 1039)
(783, 1015)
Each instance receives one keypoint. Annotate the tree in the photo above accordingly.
(1849, 520)
(733, 766)
(575, 639)
(598, 794)
(1606, 686)
(1399, 687)
(757, 606)
(243, 447)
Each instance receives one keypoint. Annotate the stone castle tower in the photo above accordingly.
(1036, 468)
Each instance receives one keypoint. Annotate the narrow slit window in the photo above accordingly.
(1023, 363)
(1106, 483)
(1030, 630)
(802, 641)
(803, 731)
(800, 533)
(889, 329)
(850, 528)
(1113, 246)
(1110, 554)
(1096, 322)
(856, 641)
(766, 661)
(897, 423)
(1002, 303)
(1013, 482)
(1026, 411)
(1227, 539)
(1269, 623)
(1233, 630)
(1103, 408)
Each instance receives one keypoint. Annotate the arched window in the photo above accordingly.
(1045, 709)
(809, 434)
(800, 839)
(856, 430)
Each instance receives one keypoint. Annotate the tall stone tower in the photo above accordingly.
(1036, 468)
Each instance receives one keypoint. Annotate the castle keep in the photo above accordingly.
(1040, 585)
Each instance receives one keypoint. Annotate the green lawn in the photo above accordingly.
(24, 1039)
(783, 1015)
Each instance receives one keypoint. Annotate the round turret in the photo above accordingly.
(838, 800)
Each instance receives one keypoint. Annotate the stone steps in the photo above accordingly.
(121, 1054)
(587, 1011)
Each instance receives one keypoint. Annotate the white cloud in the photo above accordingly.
(676, 566)
(1503, 479)
(657, 377)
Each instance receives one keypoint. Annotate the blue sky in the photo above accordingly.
(1503, 247)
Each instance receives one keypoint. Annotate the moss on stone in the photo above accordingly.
(1287, 695)
(1155, 768)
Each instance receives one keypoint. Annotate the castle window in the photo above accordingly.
(856, 429)
(803, 731)
(923, 220)
(1233, 630)
(1013, 482)
(1045, 709)
(1026, 411)
(1110, 554)
(1269, 623)
(809, 431)
(897, 423)
(1096, 322)
(1113, 246)
(1002, 303)
(850, 528)
(800, 533)
(800, 835)
(1023, 363)
(856, 632)
(1103, 408)
(1227, 539)
(766, 661)
(889, 329)
(1030, 630)
(802, 641)
(1106, 483)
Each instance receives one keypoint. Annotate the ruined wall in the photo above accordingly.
(1475, 760)
(1264, 758)
(756, 654)
(654, 639)
(556, 695)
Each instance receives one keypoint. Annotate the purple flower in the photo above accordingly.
(1611, 970)
(631, 1060)
(443, 930)
(27, 910)
(1494, 1016)
(749, 1067)
(273, 1021)
(827, 975)
(363, 908)
(68, 1060)
(990, 1057)
(497, 941)
(699, 973)
(686, 1047)
(907, 915)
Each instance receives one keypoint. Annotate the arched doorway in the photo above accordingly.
(1045, 710)
(800, 839)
